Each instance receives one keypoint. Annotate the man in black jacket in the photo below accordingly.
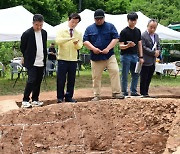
(34, 49)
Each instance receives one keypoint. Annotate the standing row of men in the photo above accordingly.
(100, 38)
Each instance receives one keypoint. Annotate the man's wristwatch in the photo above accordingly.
(141, 57)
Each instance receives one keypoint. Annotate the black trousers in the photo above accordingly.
(145, 78)
(66, 71)
(35, 76)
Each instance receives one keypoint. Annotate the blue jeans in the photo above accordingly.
(128, 62)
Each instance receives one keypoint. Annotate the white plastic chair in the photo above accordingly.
(1, 69)
(50, 67)
(17, 68)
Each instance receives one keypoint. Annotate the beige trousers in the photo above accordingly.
(113, 69)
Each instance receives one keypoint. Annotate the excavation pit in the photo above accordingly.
(109, 126)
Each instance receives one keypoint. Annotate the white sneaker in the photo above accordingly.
(26, 104)
(37, 103)
(96, 98)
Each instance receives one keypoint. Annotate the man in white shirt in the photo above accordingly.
(34, 49)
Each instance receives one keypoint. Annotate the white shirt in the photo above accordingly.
(152, 36)
(39, 54)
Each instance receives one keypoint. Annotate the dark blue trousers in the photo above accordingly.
(66, 72)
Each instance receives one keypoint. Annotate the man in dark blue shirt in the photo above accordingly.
(100, 38)
(130, 44)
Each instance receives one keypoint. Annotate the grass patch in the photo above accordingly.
(49, 84)
(169, 81)
(82, 81)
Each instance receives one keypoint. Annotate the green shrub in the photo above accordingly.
(9, 50)
(84, 50)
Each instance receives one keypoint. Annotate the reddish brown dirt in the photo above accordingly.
(129, 126)
(86, 94)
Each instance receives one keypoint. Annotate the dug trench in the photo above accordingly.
(109, 126)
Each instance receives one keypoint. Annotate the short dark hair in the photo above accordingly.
(132, 16)
(38, 17)
(152, 20)
(74, 16)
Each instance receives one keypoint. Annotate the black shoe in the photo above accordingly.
(150, 96)
(145, 96)
(59, 100)
(125, 93)
(71, 100)
(135, 94)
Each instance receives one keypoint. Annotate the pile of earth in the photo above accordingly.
(129, 126)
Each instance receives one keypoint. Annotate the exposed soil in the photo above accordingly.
(87, 94)
(109, 126)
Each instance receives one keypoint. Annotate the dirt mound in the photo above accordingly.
(173, 143)
(138, 126)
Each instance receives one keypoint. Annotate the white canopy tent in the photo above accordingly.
(16, 20)
(120, 22)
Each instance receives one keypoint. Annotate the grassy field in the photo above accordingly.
(82, 81)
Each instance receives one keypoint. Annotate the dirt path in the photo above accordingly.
(160, 91)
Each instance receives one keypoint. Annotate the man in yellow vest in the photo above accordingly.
(69, 41)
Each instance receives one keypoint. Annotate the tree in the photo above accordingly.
(165, 12)
(64, 8)
(117, 6)
(52, 10)
(91, 4)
